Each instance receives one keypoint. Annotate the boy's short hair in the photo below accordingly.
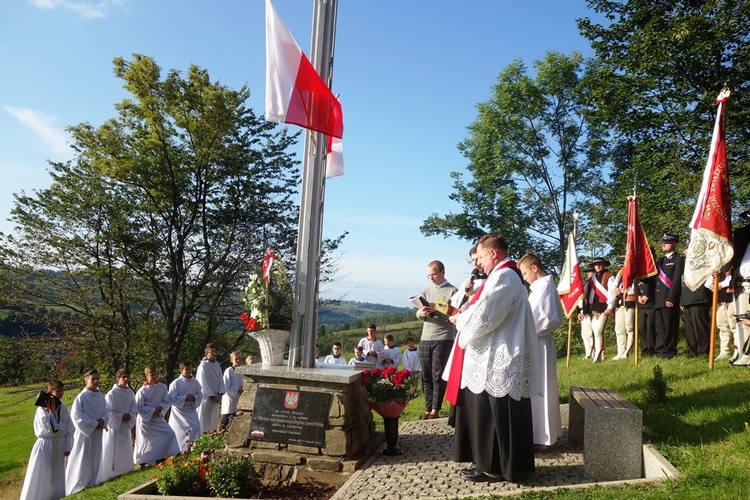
(149, 369)
(410, 339)
(210, 345)
(54, 384)
(389, 337)
(337, 344)
(359, 348)
(185, 364)
(372, 325)
(529, 259)
(89, 373)
(235, 354)
(122, 372)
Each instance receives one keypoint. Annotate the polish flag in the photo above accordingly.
(268, 264)
(295, 93)
(334, 158)
(570, 287)
(711, 235)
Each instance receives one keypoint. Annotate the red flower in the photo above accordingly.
(387, 372)
(250, 323)
(376, 372)
(365, 377)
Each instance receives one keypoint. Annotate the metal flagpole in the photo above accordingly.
(309, 239)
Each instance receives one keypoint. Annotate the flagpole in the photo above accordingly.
(570, 318)
(712, 340)
(309, 239)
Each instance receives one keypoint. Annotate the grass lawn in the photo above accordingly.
(701, 429)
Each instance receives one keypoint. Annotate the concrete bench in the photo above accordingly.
(610, 428)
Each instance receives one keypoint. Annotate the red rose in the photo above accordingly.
(388, 372)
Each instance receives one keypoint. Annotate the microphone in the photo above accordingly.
(475, 274)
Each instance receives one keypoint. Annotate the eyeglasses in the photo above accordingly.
(433, 275)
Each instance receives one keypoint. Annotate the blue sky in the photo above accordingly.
(410, 74)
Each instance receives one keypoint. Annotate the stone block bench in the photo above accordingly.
(610, 428)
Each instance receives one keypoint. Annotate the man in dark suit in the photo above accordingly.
(669, 270)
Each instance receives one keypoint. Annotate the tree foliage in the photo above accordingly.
(532, 158)
(152, 227)
(661, 65)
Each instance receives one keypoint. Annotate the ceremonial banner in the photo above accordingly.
(334, 158)
(711, 228)
(639, 262)
(295, 93)
(570, 287)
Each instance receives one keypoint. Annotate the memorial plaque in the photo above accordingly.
(290, 416)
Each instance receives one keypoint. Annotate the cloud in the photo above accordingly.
(87, 10)
(43, 126)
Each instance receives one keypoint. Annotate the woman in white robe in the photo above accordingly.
(154, 439)
(117, 444)
(185, 393)
(548, 316)
(45, 474)
(89, 418)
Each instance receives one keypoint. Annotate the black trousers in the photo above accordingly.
(496, 434)
(646, 330)
(697, 319)
(667, 326)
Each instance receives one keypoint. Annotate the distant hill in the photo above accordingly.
(346, 311)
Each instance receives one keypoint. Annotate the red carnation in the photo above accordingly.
(388, 372)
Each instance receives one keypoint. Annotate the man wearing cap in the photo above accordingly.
(600, 303)
(667, 297)
(587, 334)
(740, 264)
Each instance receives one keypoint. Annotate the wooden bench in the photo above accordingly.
(610, 428)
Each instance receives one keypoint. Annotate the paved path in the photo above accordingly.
(427, 470)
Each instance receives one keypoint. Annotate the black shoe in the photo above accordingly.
(475, 475)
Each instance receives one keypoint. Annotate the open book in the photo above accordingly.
(419, 301)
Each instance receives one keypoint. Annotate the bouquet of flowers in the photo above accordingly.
(389, 384)
(268, 297)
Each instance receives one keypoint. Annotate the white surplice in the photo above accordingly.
(184, 418)
(117, 444)
(548, 316)
(232, 383)
(86, 456)
(154, 439)
(210, 377)
(45, 474)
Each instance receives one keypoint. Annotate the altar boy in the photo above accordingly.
(88, 414)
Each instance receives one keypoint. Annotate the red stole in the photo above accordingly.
(457, 366)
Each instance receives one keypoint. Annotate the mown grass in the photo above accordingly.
(701, 429)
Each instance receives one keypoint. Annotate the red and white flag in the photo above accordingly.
(334, 157)
(268, 264)
(295, 93)
(570, 287)
(711, 228)
(639, 261)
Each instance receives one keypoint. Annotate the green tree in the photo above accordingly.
(661, 65)
(532, 157)
(159, 217)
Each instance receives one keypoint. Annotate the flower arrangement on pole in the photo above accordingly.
(268, 299)
(389, 389)
(388, 392)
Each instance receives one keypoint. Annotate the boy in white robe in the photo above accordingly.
(88, 414)
(411, 357)
(233, 385)
(391, 353)
(548, 316)
(154, 439)
(185, 393)
(210, 377)
(117, 444)
(335, 358)
(45, 474)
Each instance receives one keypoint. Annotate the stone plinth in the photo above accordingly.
(611, 431)
(349, 430)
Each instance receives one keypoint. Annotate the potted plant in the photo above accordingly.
(388, 392)
(268, 299)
